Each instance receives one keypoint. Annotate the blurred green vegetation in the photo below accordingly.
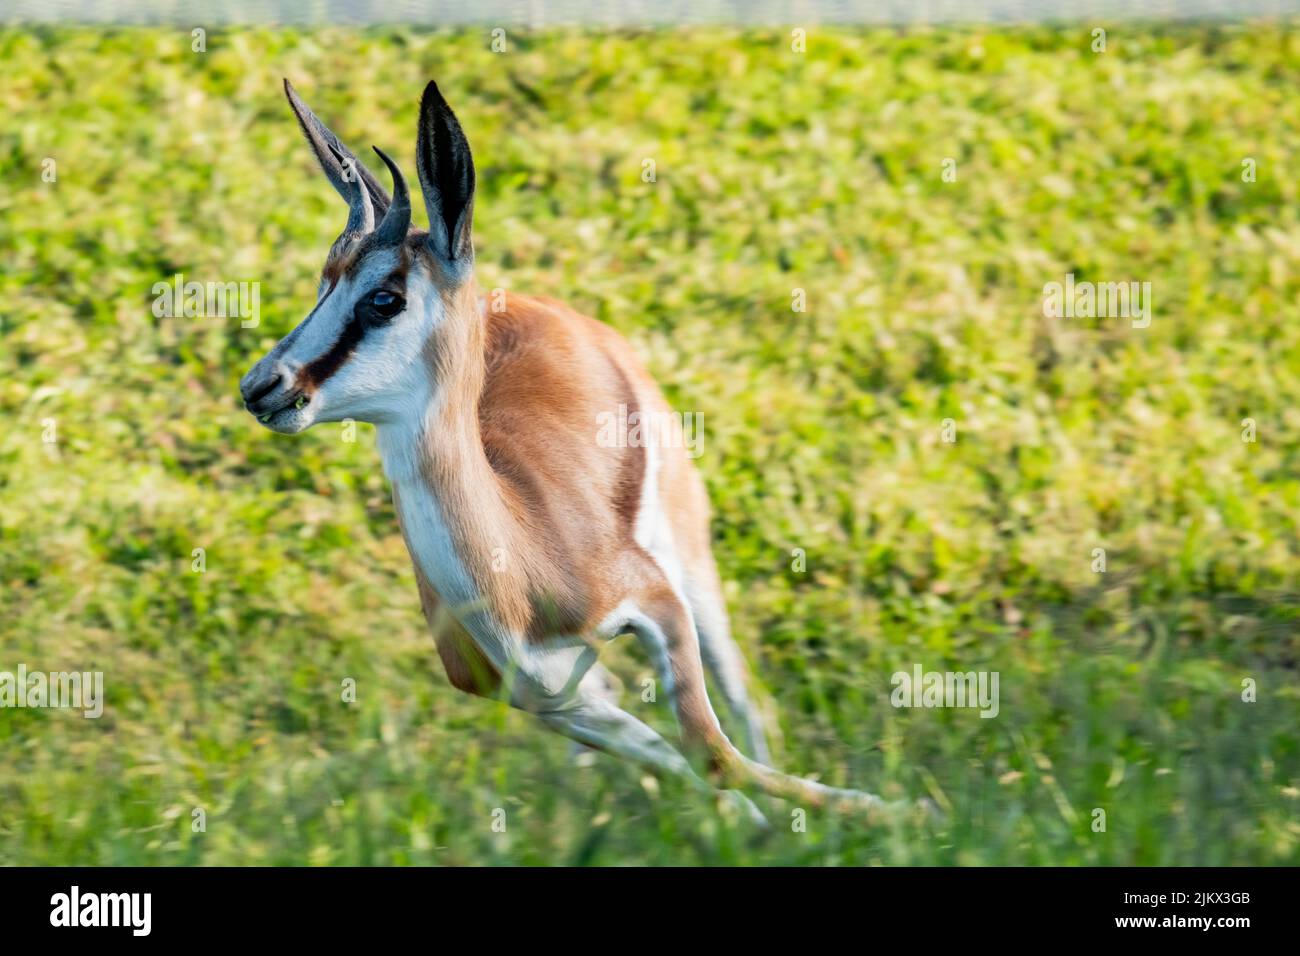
(775, 171)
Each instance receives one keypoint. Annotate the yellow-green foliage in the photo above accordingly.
(775, 171)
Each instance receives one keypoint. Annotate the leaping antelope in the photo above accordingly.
(486, 423)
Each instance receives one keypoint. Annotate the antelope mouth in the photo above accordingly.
(296, 401)
(282, 413)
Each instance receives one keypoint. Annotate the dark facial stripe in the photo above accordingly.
(314, 373)
(289, 339)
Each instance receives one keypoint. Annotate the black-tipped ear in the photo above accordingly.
(446, 172)
(335, 158)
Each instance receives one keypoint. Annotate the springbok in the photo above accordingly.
(543, 542)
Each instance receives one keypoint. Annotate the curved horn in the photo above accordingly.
(341, 167)
(361, 212)
(397, 219)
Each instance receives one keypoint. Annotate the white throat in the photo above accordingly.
(428, 535)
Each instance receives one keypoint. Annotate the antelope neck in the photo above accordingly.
(448, 498)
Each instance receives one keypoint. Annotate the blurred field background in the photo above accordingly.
(775, 171)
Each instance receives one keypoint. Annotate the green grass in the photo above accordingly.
(775, 171)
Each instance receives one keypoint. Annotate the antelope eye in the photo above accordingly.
(385, 304)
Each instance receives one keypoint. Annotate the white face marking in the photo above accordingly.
(385, 375)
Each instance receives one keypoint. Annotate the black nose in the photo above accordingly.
(253, 391)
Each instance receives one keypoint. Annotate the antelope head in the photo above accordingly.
(386, 290)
